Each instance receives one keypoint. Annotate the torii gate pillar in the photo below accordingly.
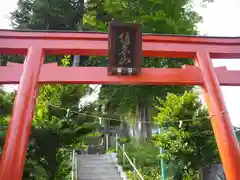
(226, 138)
(16, 142)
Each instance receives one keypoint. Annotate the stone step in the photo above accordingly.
(100, 178)
(92, 158)
(99, 174)
(99, 160)
(97, 169)
(95, 166)
(98, 163)
(95, 161)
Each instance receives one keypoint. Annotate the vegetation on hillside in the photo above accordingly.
(168, 17)
(55, 132)
(186, 137)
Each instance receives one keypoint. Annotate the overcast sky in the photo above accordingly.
(220, 19)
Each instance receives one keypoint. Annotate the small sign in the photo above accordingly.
(124, 48)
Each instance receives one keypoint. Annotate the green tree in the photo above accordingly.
(55, 131)
(190, 145)
(50, 122)
(48, 14)
(165, 17)
(6, 100)
(145, 156)
(62, 128)
(52, 137)
(237, 130)
(176, 17)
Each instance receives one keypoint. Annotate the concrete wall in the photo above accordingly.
(214, 172)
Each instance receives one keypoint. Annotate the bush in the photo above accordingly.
(146, 161)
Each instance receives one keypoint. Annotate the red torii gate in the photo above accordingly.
(34, 45)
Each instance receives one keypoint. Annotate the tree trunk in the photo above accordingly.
(124, 129)
(148, 125)
(76, 60)
(143, 128)
(107, 137)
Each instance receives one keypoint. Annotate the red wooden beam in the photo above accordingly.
(97, 44)
(52, 74)
(104, 36)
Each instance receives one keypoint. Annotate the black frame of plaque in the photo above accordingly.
(133, 68)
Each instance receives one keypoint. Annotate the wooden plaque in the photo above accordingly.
(124, 48)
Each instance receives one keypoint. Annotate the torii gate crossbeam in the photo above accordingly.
(34, 45)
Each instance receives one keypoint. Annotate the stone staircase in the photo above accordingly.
(97, 167)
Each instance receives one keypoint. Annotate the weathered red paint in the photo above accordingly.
(201, 48)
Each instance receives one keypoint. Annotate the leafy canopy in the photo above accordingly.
(163, 16)
(192, 144)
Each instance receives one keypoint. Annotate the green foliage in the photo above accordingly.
(190, 174)
(4, 59)
(238, 134)
(54, 133)
(186, 148)
(156, 16)
(149, 174)
(145, 155)
(192, 145)
(110, 150)
(6, 100)
(162, 16)
(48, 14)
(62, 131)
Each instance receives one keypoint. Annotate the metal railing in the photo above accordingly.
(125, 156)
(74, 165)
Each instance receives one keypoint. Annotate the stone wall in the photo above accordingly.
(214, 172)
